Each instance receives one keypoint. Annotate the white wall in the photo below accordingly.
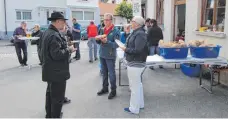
(168, 20)
(12, 23)
(92, 9)
(193, 19)
(120, 20)
(151, 9)
(2, 19)
(89, 3)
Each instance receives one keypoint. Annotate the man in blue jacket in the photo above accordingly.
(76, 32)
(108, 56)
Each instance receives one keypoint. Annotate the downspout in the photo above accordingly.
(5, 17)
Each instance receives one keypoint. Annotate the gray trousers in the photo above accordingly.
(92, 47)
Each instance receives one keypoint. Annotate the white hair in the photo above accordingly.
(139, 20)
(37, 25)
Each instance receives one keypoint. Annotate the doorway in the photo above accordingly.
(143, 7)
(179, 25)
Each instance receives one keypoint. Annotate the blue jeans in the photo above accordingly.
(92, 47)
(108, 70)
(99, 64)
(154, 50)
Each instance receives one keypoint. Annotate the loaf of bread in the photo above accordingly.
(100, 36)
(177, 44)
(200, 43)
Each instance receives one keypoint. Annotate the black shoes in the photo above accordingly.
(111, 95)
(48, 116)
(102, 92)
(151, 67)
(90, 61)
(76, 58)
(24, 64)
(66, 101)
(95, 59)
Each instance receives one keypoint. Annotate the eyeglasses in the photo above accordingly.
(107, 19)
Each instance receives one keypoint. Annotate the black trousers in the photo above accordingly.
(39, 55)
(55, 95)
(21, 46)
(77, 53)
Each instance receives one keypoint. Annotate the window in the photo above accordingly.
(160, 12)
(78, 15)
(18, 15)
(88, 15)
(27, 15)
(83, 15)
(213, 13)
(24, 15)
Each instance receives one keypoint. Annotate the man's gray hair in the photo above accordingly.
(109, 15)
(23, 22)
(139, 20)
(127, 25)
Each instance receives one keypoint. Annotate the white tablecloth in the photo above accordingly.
(28, 42)
(158, 60)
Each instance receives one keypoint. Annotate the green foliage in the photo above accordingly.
(124, 9)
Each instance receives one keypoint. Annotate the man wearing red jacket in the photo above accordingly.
(92, 32)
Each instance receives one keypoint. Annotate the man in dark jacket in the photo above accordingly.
(55, 67)
(20, 44)
(153, 36)
(38, 33)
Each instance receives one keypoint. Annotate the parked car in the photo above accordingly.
(120, 27)
(84, 35)
(44, 27)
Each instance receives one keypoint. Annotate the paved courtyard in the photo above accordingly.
(167, 92)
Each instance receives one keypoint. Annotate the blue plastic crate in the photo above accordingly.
(191, 70)
(174, 53)
(205, 52)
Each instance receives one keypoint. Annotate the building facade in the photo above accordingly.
(37, 12)
(31, 11)
(2, 19)
(110, 8)
(84, 11)
(175, 16)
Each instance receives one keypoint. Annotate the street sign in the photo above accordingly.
(136, 5)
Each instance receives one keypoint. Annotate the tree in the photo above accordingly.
(124, 9)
